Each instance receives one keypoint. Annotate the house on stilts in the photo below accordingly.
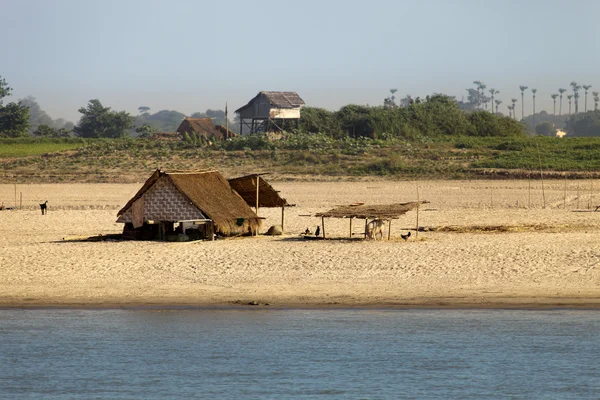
(270, 111)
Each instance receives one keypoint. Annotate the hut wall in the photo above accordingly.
(284, 113)
(163, 202)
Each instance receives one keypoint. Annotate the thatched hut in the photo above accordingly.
(173, 202)
(201, 126)
(257, 192)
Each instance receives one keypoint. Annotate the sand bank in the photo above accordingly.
(488, 244)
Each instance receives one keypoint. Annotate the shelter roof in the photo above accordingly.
(204, 126)
(278, 99)
(267, 195)
(386, 211)
(206, 189)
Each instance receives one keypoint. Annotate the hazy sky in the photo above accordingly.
(188, 55)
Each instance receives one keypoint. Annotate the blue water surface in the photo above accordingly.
(299, 354)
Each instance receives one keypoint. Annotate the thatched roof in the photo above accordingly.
(210, 192)
(201, 126)
(388, 211)
(267, 196)
(278, 100)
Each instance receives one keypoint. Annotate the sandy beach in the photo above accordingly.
(483, 244)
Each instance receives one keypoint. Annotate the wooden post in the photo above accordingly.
(366, 227)
(323, 225)
(565, 193)
(15, 195)
(418, 206)
(257, 188)
(21, 201)
(282, 218)
(389, 229)
(211, 230)
(350, 227)
(529, 201)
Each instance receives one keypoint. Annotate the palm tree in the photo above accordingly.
(514, 101)
(482, 87)
(493, 92)
(478, 84)
(576, 88)
(570, 97)
(586, 88)
(523, 89)
(554, 96)
(596, 100)
(498, 102)
(533, 91)
(561, 91)
(509, 111)
(393, 92)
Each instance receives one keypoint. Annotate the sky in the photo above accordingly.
(192, 55)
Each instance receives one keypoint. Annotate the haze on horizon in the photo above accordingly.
(189, 56)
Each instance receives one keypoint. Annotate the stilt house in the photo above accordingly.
(189, 202)
(270, 111)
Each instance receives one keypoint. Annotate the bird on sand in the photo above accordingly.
(405, 237)
(318, 230)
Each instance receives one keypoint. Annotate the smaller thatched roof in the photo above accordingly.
(387, 211)
(267, 195)
(201, 126)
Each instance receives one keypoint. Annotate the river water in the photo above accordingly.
(299, 354)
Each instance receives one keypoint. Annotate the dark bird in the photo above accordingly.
(44, 207)
(318, 230)
(307, 232)
(405, 237)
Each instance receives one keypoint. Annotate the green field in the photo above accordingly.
(132, 160)
(10, 148)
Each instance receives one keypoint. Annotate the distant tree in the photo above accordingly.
(14, 117)
(37, 116)
(596, 100)
(493, 92)
(145, 131)
(514, 102)
(545, 129)
(576, 87)
(393, 97)
(14, 120)
(98, 121)
(498, 102)
(561, 91)
(586, 88)
(162, 121)
(523, 89)
(509, 110)
(5, 90)
(569, 97)
(584, 124)
(48, 131)
(143, 109)
(482, 86)
(554, 96)
(533, 92)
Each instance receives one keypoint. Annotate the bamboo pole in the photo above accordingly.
(282, 218)
(21, 201)
(529, 198)
(323, 225)
(15, 195)
(541, 174)
(418, 206)
(366, 222)
(350, 227)
(565, 193)
(257, 191)
(389, 229)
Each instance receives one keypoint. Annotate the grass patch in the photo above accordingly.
(11, 148)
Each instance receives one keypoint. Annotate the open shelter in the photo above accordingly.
(257, 192)
(386, 212)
